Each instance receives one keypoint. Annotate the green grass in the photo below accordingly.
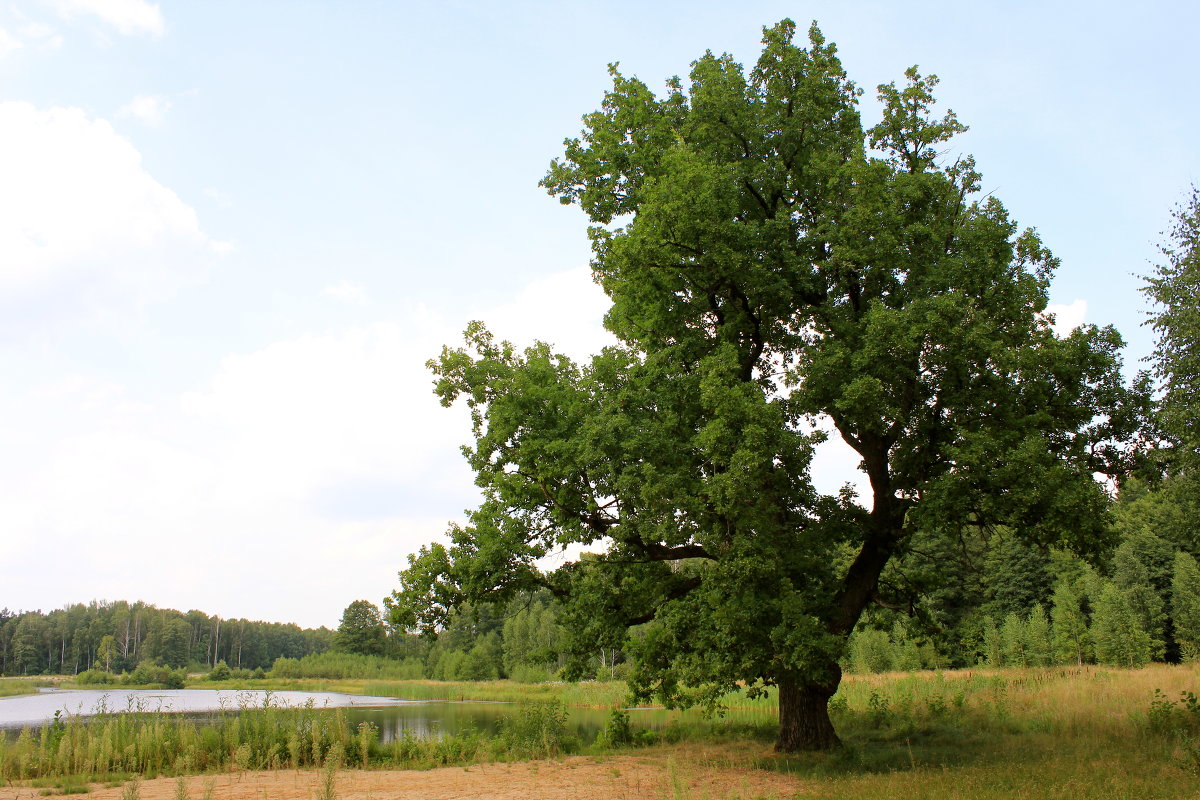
(10, 687)
(589, 694)
(1036, 733)
(253, 738)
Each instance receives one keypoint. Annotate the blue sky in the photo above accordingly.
(232, 233)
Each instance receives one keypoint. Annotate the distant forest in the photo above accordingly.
(116, 636)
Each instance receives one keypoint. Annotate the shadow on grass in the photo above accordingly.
(867, 750)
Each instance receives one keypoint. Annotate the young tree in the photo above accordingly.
(993, 644)
(1133, 578)
(772, 267)
(1117, 631)
(1175, 288)
(1038, 644)
(106, 650)
(1185, 605)
(1013, 642)
(1069, 625)
(361, 630)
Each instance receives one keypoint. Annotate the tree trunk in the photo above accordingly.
(804, 716)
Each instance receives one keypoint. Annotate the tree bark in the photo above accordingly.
(804, 716)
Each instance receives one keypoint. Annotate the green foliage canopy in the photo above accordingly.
(773, 268)
(1175, 288)
(361, 630)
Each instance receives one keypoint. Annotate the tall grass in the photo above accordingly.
(1031, 732)
(979, 734)
(10, 687)
(261, 737)
(590, 694)
(155, 743)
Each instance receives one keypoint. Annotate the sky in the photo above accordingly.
(232, 234)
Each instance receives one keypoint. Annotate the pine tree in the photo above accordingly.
(1132, 577)
(1120, 639)
(1185, 605)
(1070, 634)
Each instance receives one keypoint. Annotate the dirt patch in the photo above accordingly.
(713, 774)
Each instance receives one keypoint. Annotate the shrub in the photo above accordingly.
(95, 677)
(147, 673)
(616, 732)
(870, 651)
(348, 665)
(537, 730)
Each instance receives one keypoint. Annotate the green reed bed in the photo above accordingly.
(157, 743)
(10, 687)
(252, 738)
(588, 694)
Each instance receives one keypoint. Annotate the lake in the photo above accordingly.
(392, 716)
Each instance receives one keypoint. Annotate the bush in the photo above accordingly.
(617, 731)
(221, 672)
(536, 731)
(95, 677)
(346, 665)
(870, 651)
(147, 673)
(175, 679)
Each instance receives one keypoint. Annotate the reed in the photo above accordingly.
(10, 687)
(154, 743)
(1029, 732)
(258, 738)
(587, 694)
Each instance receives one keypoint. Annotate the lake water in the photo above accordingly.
(392, 716)
(36, 709)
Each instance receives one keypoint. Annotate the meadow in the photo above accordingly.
(981, 733)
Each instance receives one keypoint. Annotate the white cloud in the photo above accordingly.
(149, 108)
(36, 30)
(350, 292)
(84, 229)
(565, 309)
(320, 461)
(217, 196)
(1067, 317)
(127, 16)
(38, 34)
(8, 43)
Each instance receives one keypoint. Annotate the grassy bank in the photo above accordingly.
(10, 687)
(589, 694)
(1061, 732)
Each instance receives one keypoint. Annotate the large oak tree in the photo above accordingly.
(775, 271)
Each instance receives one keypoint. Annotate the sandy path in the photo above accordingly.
(664, 773)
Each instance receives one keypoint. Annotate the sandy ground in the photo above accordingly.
(659, 773)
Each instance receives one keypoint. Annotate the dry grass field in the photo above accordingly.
(1086, 732)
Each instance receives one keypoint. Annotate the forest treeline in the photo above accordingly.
(117, 636)
(988, 598)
